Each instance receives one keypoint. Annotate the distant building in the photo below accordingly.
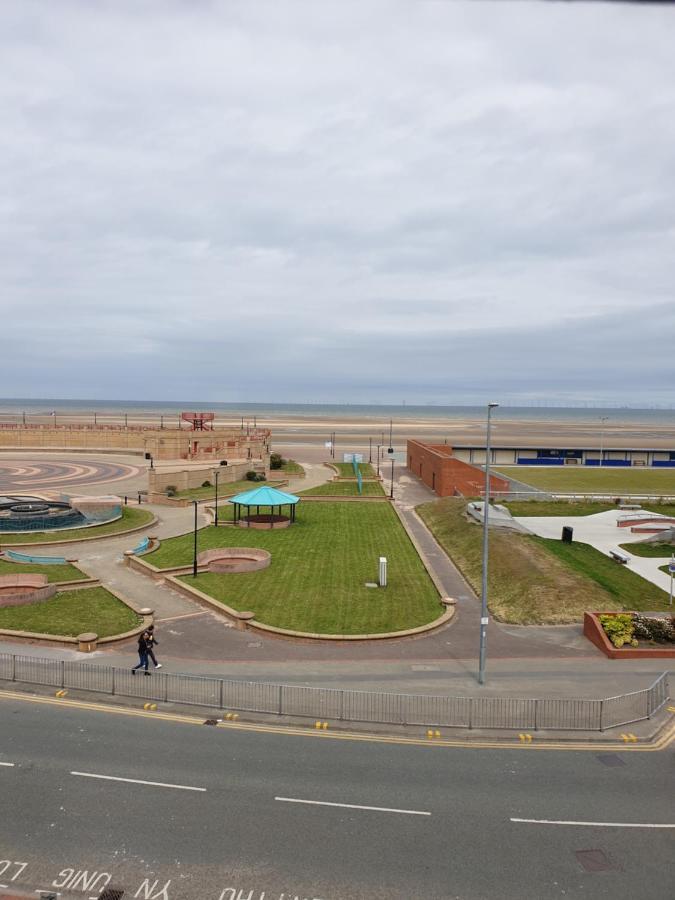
(440, 469)
(566, 456)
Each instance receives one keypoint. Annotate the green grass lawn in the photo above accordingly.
(554, 507)
(345, 489)
(54, 573)
(346, 470)
(132, 517)
(225, 489)
(589, 479)
(533, 581)
(572, 508)
(316, 581)
(657, 551)
(626, 587)
(291, 467)
(71, 613)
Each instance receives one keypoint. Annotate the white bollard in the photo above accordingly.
(383, 571)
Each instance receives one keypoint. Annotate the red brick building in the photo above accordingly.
(448, 476)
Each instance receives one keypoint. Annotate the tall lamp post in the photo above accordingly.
(484, 584)
(216, 516)
(194, 555)
(603, 419)
(391, 492)
(370, 449)
(378, 460)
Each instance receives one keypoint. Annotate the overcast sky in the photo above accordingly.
(359, 201)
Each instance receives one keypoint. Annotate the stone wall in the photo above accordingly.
(162, 443)
(187, 479)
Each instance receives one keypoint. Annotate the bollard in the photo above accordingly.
(243, 619)
(87, 642)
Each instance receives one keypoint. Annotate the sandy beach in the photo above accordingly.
(355, 430)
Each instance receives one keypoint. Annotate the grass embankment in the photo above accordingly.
(54, 573)
(346, 470)
(71, 613)
(592, 479)
(532, 581)
(656, 551)
(316, 580)
(554, 507)
(225, 489)
(345, 489)
(132, 517)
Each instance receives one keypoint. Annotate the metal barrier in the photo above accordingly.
(343, 705)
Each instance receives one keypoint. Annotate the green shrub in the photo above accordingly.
(276, 461)
(251, 475)
(619, 629)
(206, 483)
(171, 490)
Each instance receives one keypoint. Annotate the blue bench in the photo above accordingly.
(40, 560)
(142, 547)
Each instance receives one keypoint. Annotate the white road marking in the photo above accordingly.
(178, 787)
(594, 824)
(9, 765)
(405, 812)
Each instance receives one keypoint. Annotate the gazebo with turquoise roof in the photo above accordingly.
(265, 497)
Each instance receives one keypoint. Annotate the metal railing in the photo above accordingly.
(342, 705)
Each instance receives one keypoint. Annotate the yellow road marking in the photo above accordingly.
(666, 737)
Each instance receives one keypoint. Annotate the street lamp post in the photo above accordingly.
(216, 516)
(484, 584)
(391, 492)
(194, 555)
(370, 449)
(378, 460)
(603, 419)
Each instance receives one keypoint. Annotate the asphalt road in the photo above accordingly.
(223, 814)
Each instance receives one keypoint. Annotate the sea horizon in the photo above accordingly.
(13, 408)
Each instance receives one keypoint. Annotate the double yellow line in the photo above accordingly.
(537, 742)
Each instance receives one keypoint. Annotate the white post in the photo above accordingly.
(383, 571)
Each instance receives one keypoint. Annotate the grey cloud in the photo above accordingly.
(380, 194)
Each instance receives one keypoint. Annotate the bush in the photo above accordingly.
(206, 483)
(171, 490)
(276, 461)
(661, 631)
(619, 629)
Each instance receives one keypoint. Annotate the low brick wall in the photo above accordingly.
(30, 588)
(234, 559)
(595, 633)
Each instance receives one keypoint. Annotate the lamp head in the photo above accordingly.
(492, 405)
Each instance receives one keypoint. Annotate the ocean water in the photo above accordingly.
(12, 409)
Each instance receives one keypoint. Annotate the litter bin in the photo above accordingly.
(567, 534)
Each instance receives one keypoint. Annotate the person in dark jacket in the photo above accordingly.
(142, 654)
(152, 642)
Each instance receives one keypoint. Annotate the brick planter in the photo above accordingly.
(595, 633)
(234, 559)
(20, 590)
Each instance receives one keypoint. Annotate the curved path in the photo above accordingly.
(22, 474)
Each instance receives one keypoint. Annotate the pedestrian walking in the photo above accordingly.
(142, 654)
(152, 642)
